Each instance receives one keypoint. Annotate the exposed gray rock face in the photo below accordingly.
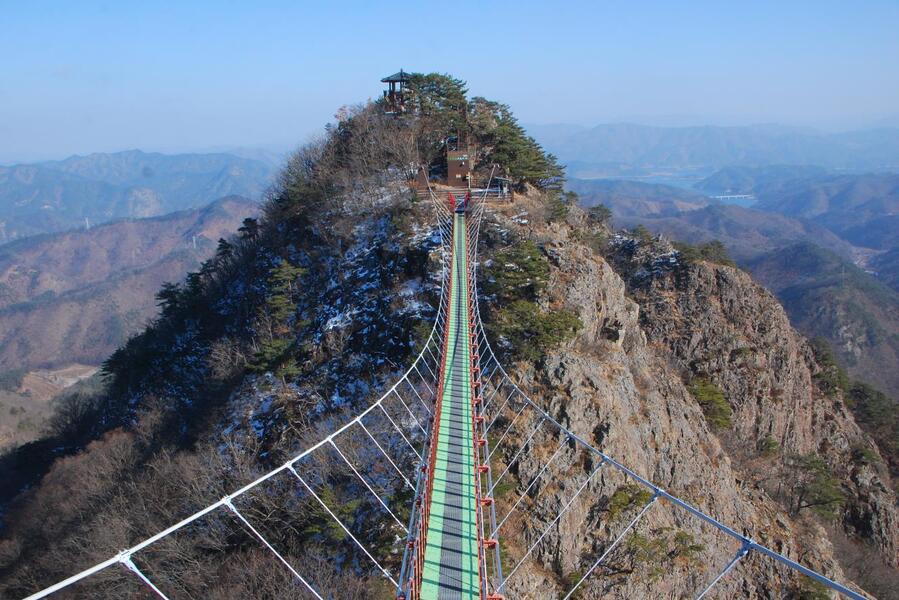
(620, 384)
(718, 323)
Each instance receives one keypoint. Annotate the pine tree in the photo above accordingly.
(278, 347)
(168, 298)
(494, 125)
(224, 250)
(249, 230)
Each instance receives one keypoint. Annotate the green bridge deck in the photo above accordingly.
(451, 551)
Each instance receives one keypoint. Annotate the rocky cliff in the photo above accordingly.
(721, 326)
(654, 327)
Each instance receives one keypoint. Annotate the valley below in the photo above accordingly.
(69, 298)
(25, 409)
(289, 311)
(834, 280)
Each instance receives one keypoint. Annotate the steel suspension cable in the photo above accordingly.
(387, 456)
(96, 568)
(743, 551)
(489, 355)
(423, 377)
(496, 389)
(530, 485)
(406, 406)
(420, 399)
(129, 564)
(614, 544)
(517, 454)
(370, 489)
(344, 527)
(400, 431)
(554, 521)
(271, 548)
(680, 503)
(524, 405)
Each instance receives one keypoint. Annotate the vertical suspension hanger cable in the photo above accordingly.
(129, 564)
(271, 548)
(384, 571)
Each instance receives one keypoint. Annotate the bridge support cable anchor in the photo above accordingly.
(384, 452)
(125, 559)
(227, 502)
(530, 485)
(367, 485)
(342, 526)
(743, 551)
(614, 545)
(517, 454)
(552, 524)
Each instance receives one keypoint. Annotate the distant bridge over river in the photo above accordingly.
(732, 197)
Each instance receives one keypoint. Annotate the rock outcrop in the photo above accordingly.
(650, 324)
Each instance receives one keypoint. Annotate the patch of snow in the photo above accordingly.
(340, 320)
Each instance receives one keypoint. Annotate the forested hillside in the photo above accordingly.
(298, 319)
(682, 366)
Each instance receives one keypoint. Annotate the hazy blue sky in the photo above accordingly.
(85, 76)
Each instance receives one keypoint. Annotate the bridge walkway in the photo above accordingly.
(451, 566)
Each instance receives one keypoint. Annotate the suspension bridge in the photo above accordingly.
(450, 413)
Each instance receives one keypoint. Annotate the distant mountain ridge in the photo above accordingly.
(76, 296)
(716, 147)
(863, 209)
(634, 198)
(828, 297)
(755, 180)
(802, 242)
(692, 217)
(748, 233)
(55, 196)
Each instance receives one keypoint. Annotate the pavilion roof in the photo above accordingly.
(400, 77)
